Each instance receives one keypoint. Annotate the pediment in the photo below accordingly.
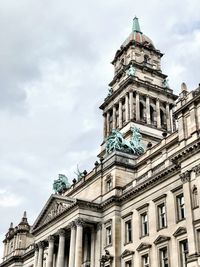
(143, 246)
(54, 207)
(180, 231)
(161, 239)
(127, 253)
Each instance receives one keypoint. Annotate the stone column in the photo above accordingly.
(158, 113)
(105, 125)
(5, 247)
(114, 117)
(131, 104)
(137, 102)
(120, 113)
(61, 248)
(98, 244)
(50, 251)
(92, 252)
(79, 243)
(168, 117)
(148, 110)
(193, 120)
(108, 123)
(126, 108)
(40, 254)
(86, 245)
(72, 244)
(35, 256)
(185, 177)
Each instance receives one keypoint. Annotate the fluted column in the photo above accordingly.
(168, 117)
(51, 239)
(158, 113)
(40, 254)
(61, 248)
(114, 117)
(98, 244)
(72, 244)
(131, 104)
(120, 113)
(137, 100)
(126, 108)
(148, 110)
(108, 123)
(79, 243)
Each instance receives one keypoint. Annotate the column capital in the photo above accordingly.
(36, 247)
(196, 169)
(61, 232)
(51, 238)
(79, 222)
(185, 177)
(72, 224)
(98, 226)
(41, 244)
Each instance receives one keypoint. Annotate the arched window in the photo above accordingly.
(195, 202)
(162, 118)
(141, 111)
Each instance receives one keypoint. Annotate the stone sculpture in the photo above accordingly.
(61, 184)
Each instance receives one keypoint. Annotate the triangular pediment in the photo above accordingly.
(180, 231)
(54, 207)
(161, 239)
(143, 246)
(127, 253)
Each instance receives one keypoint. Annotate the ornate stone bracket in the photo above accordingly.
(106, 258)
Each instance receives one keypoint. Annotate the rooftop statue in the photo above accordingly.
(110, 91)
(61, 184)
(131, 70)
(116, 141)
(79, 174)
(165, 83)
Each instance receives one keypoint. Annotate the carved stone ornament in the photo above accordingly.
(99, 226)
(106, 258)
(185, 177)
(79, 222)
(57, 208)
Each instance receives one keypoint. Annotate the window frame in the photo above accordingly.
(108, 237)
(183, 262)
(180, 207)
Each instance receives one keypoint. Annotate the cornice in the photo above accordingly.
(186, 152)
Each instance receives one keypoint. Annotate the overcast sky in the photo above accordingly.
(54, 70)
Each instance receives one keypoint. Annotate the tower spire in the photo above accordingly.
(136, 25)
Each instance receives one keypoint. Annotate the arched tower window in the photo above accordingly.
(152, 115)
(195, 201)
(162, 118)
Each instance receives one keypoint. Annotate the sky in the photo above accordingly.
(54, 73)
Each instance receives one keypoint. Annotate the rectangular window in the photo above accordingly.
(128, 231)
(164, 262)
(145, 260)
(183, 252)
(180, 207)
(162, 222)
(108, 235)
(144, 224)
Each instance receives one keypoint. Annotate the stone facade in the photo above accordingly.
(129, 210)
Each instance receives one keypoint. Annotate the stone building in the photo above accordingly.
(139, 205)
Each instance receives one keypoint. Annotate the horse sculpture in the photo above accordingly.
(116, 141)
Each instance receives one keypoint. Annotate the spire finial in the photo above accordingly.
(11, 225)
(136, 25)
(24, 215)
